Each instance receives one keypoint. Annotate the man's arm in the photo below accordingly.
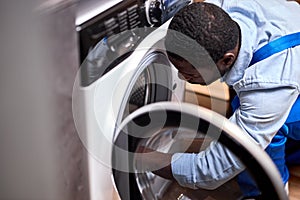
(160, 163)
(262, 112)
(208, 169)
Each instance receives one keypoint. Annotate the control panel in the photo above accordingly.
(112, 34)
(126, 15)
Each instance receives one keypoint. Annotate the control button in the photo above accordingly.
(133, 17)
(111, 26)
(132, 9)
(134, 24)
(155, 13)
(124, 26)
(110, 22)
(122, 15)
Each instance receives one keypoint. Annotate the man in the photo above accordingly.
(217, 39)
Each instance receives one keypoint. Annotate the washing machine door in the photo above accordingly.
(170, 127)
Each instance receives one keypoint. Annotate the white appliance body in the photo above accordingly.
(98, 107)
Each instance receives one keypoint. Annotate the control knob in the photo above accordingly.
(154, 12)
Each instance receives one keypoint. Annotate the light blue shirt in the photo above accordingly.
(267, 89)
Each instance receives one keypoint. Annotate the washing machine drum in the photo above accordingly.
(152, 83)
(172, 127)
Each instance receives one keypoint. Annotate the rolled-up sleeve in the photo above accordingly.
(263, 112)
(208, 169)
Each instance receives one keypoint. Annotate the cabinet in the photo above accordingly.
(216, 96)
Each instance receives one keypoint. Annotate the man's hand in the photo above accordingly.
(157, 162)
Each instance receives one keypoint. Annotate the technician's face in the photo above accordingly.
(187, 72)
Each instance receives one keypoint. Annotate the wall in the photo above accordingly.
(41, 154)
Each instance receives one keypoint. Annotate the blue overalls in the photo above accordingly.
(290, 129)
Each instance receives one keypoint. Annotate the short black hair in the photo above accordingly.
(208, 25)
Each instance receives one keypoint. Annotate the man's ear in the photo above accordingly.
(227, 61)
(229, 58)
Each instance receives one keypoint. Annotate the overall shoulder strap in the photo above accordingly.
(275, 46)
(280, 44)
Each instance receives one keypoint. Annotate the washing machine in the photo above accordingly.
(127, 95)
